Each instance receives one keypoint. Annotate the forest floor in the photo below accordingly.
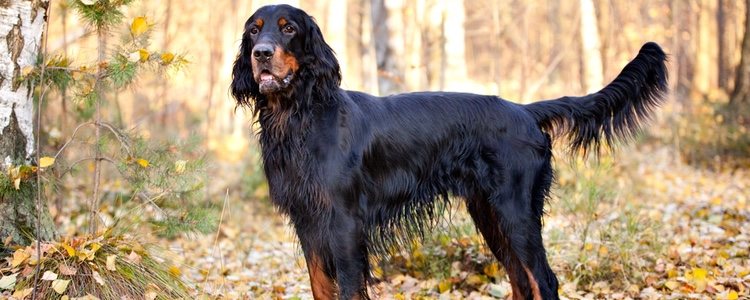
(648, 227)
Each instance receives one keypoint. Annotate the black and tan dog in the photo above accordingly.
(357, 173)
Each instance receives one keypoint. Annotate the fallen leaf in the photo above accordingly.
(111, 262)
(8, 282)
(732, 295)
(49, 275)
(69, 249)
(66, 270)
(179, 166)
(134, 258)
(22, 294)
(89, 2)
(175, 271)
(46, 161)
(671, 285)
(19, 257)
(151, 295)
(603, 251)
(444, 286)
(492, 270)
(98, 278)
(60, 285)
(142, 162)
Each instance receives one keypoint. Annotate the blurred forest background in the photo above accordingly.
(666, 215)
(521, 50)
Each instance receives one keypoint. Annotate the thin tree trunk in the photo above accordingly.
(455, 50)
(723, 57)
(705, 67)
(739, 103)
(590, 46)
(22, 24)
(354, 49)
(389, 44)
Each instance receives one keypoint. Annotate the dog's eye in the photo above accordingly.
(288, 29)
(254, 30)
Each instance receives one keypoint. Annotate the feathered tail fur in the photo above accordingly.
(615, 112)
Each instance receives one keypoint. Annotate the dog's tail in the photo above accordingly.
(615, 112)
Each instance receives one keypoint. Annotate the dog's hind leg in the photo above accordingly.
(519, 207)
(486, 221)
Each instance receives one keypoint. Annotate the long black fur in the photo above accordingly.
(356, 173)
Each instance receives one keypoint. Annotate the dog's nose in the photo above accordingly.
(263, 52)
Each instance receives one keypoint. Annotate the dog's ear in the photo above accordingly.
(243, 87)
(324, 62)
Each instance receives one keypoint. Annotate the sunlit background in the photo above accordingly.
(665, 215)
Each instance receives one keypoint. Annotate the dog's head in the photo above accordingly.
(282, 51)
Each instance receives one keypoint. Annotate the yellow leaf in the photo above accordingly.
(144, 55)
(111, 262)
(25, 71)
(179, 166)
(19, 257)
(69, 249)
(22, 294)
(17, 183)
(699, 279)
(175, 271)
(95, 247)
(46, 161)
(139, 26)
(672, 285)
(142, 162)
(732, 295)
(672, 273)
(492, 270)
(699, 274)
(167, 57)
(60, 285)
(444, 286)
(474, 280)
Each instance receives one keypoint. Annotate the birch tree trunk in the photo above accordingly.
(592, 55)
(389, 45)
(455, 50)
(21, 26)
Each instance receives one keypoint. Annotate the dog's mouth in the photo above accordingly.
(270, 83)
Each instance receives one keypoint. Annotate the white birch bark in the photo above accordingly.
(21, 29)
(592, 56)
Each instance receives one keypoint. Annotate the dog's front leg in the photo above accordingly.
(322, 285)
(319, 266)
(349, 249)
